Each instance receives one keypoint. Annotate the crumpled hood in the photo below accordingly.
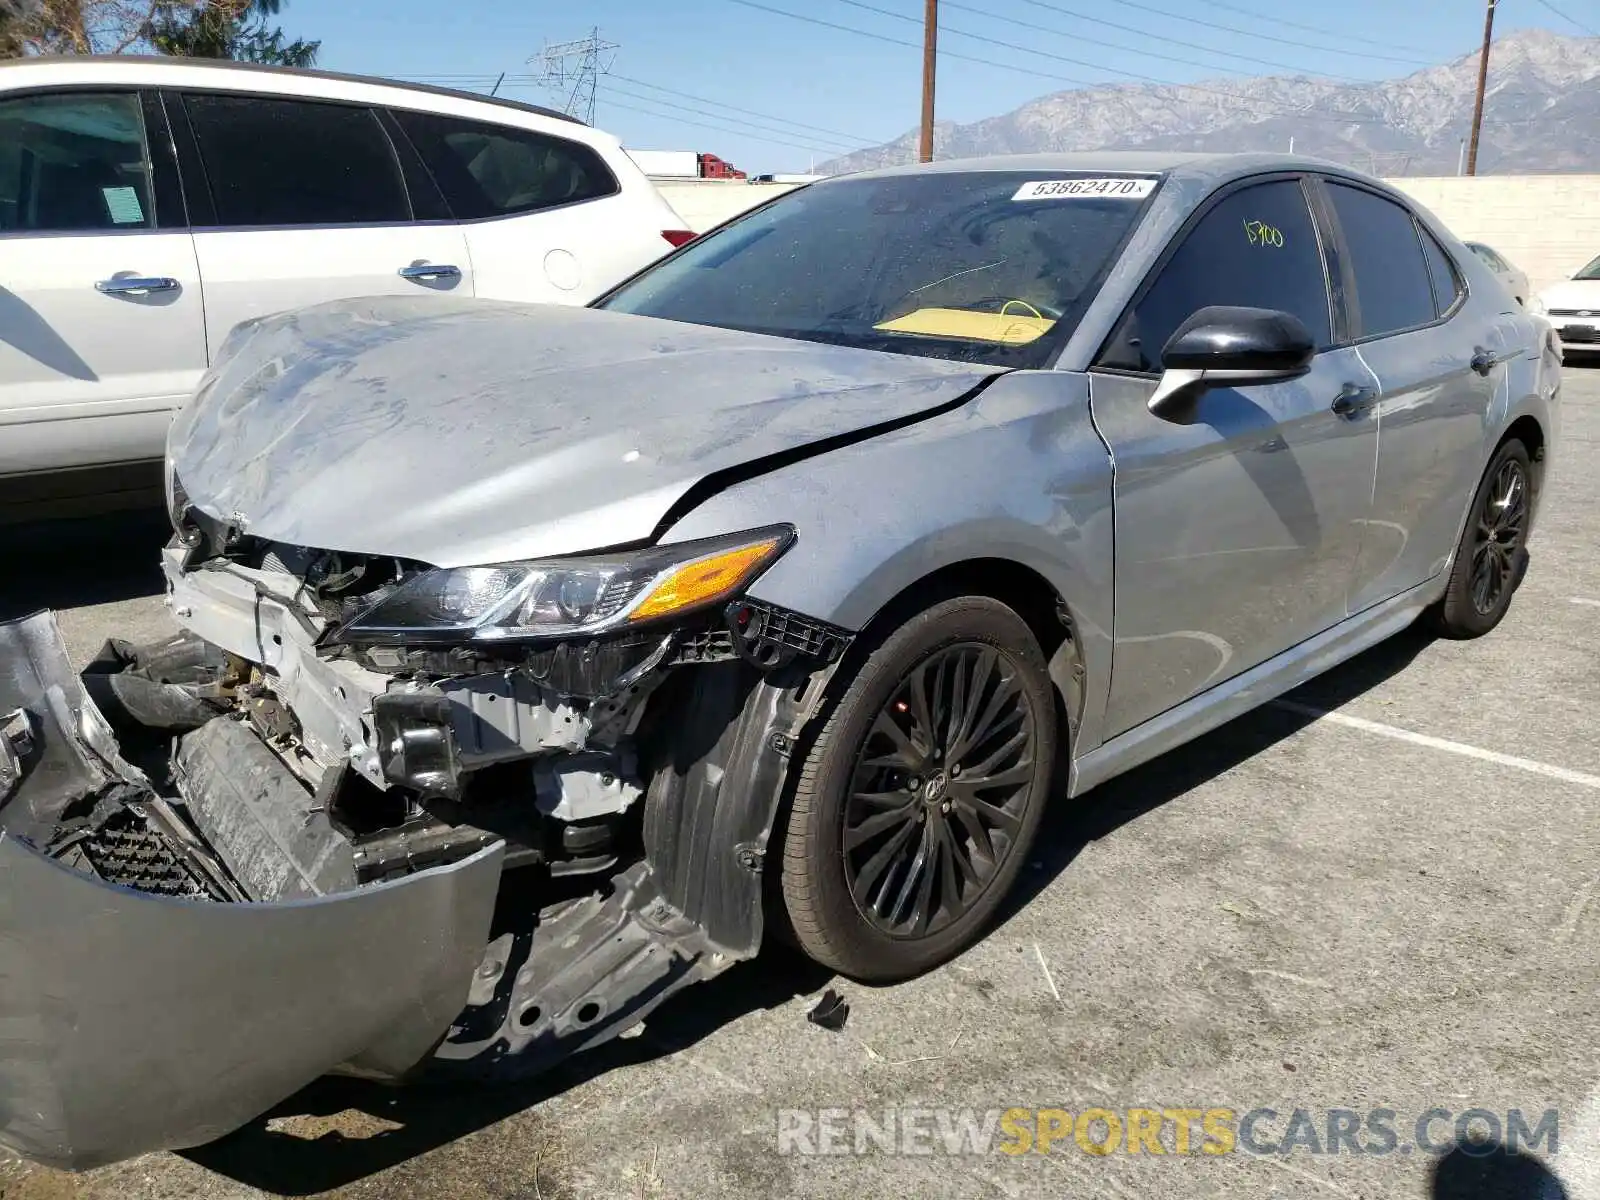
(1574, 293)
(459, 431)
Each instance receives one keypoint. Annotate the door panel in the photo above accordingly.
(1238, 525)
(250, 273)
(1432, 416)
(1236, 533)
(90, 363)
(1421, 339)
(304, 202)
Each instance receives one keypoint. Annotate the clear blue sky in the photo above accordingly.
(768, 91)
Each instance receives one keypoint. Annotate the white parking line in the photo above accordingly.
(1582, 600)
(1438, 743)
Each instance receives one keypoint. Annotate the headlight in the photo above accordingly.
(1536, 306)
(553, 597)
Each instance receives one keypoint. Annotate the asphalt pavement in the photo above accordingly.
(1379, 898)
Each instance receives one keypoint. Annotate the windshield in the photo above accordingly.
(1592, 271)
(987, 267)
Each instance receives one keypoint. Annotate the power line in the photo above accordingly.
(1568, 19)
(1265, 37)
(754, 135)
(1140, 50)
(656, 87)
(838, 145)
(1349, 37)
(1270, 110)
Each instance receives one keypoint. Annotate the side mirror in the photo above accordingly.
(1225, 346)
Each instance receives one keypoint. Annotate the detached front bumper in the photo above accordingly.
(145, 1017)
(131, 1021)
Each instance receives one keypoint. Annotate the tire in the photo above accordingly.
(1492, 557)
(904, 924)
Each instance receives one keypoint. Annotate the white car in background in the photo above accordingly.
(147, 206)
(1573, 307)
(1512, 277)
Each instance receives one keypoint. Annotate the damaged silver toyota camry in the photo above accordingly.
(537, 663)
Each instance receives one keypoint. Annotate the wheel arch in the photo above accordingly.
(1027, 592)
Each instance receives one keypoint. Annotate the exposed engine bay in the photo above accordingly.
(609, 798)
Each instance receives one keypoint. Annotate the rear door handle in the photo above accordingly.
(1484, 361)
(1353, 400)
(430, 271)
(136, 285)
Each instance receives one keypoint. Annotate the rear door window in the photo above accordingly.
(71, 162)
(272, 162)
(1447, 286)
(1393, 288)
(489, 170)
(1257, 247)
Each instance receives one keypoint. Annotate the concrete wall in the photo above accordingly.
(1549, 225)
(703, 203)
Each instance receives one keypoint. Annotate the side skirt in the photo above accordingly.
(1253, 688)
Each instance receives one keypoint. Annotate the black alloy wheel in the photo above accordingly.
(939, 790)
(1492, 556)
(915, 806)
(1502, 527)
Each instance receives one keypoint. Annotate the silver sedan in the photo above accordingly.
(539, 663)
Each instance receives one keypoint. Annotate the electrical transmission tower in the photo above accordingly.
(573, 70)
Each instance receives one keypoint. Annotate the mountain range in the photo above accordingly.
(1542, 113)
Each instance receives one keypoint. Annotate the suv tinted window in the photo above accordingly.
(73, 162)
(1257, 247)
(494, 171)
(1392, 287)
(295, 162)
(1446, 282)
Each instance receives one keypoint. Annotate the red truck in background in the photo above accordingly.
(712, 167)
(684, 164)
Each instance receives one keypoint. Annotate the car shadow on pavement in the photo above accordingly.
(1493, 1171)
(1070, 826)
(83, 560)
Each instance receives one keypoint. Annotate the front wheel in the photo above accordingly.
(916, 806)
(1493, 555)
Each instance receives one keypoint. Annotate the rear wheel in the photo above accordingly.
(1493, 555)
(916, 806)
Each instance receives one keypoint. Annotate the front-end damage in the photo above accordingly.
(265, 850)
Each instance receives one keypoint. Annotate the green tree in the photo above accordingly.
(236, 29)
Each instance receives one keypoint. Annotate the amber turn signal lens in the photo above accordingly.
(704, 579)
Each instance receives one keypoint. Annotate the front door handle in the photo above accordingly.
(136, 285)
(1353, 400)
(1484, 361)
(430, 271)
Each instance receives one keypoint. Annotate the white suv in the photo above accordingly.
(149, 205)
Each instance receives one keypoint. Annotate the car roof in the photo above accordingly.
(1144, 162)
(159, 64)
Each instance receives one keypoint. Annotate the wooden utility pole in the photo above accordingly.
(1483, 80)
(930, 60)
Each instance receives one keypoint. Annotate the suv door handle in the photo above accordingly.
(1353, 400)
(1484, 361)
(137, 285)
(430, 271)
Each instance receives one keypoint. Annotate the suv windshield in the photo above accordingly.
(989, 267)
(1592, 271)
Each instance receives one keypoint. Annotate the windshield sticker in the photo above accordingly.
(1086, 189)
(122, 205)
(1264, 235)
